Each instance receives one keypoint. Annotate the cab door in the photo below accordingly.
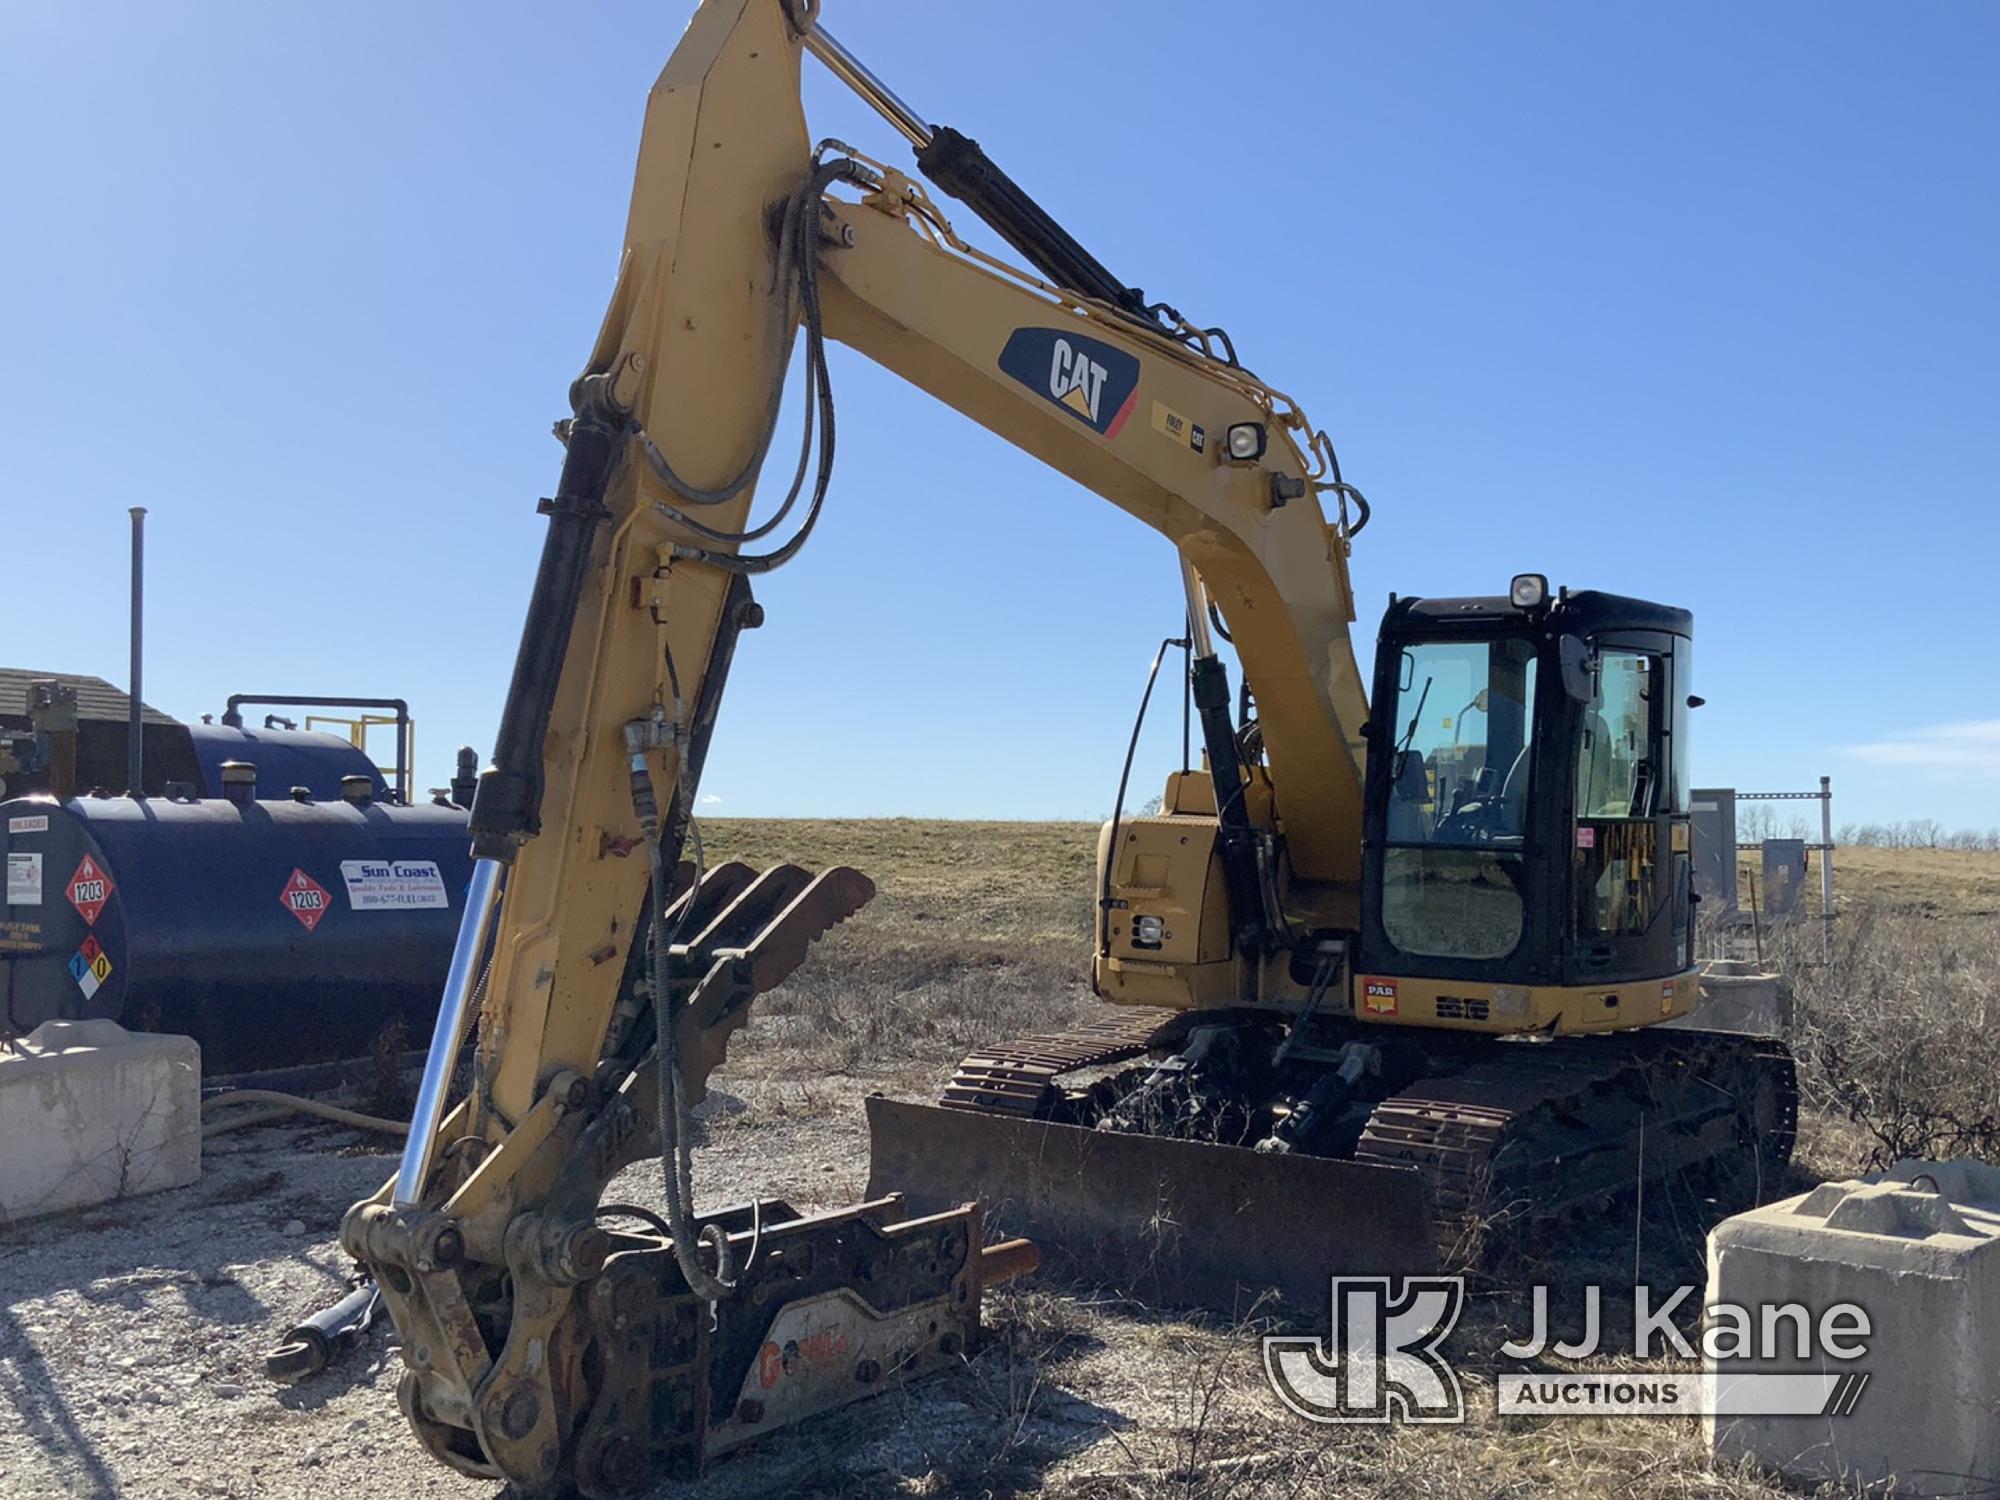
(1628, 875)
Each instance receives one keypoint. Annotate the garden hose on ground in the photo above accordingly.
(280, 1105)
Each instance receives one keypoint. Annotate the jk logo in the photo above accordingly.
(1380, 1361)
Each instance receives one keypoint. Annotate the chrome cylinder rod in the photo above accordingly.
(850, 70)
(1197, 608)
(474, 926)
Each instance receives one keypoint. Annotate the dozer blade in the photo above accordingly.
(1177, 1222)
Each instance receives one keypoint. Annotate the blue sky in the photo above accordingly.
(1691, 301)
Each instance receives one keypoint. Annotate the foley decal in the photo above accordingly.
(1089, 379)
(1176, 428)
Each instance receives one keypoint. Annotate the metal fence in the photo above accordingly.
(1784, 861)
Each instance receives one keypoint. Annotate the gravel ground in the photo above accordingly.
(132, 1336)
(132, 1339)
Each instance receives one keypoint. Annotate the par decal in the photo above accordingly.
(1378, 997)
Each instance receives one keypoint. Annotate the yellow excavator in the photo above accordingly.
(1373, 972)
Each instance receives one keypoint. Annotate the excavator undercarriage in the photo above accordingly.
(1209, 1157)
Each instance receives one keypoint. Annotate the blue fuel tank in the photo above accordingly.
(273, 932)
(284, 758)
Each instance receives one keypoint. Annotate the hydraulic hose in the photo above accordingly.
(676, 1144)
(281, 1105)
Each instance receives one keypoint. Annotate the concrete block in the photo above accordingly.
(1917, 1249)
(1736, 995)
(90, 1111)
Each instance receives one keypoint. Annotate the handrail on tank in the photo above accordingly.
(233, 717)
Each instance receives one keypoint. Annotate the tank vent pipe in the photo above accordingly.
(135, 738)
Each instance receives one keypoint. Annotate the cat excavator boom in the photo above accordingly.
(1333, 912)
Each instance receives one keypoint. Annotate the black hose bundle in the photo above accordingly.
(798, 263)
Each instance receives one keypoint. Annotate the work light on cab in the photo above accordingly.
(1528, 590)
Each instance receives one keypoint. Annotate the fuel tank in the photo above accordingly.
(284, 758)
(273, 932)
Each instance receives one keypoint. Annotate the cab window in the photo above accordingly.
(1620, 774)
(1453, 871)
(1618, 762)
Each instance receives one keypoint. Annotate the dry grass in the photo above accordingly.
(976, 930)
(1899, 1035)
(1946, 883)
(1926, 882)
(1003, 883)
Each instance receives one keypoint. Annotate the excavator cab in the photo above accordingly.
(1525, 883)
(1526, 810)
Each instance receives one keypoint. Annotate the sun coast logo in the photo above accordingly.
(1088, 378)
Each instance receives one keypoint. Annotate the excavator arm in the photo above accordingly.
(604, 970)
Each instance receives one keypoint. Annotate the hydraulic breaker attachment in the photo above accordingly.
(556, 1350)
(832, 1307)
(1174, 1221)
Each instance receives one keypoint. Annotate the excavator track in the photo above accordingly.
(1502, 1133)
(1534, 1130)
(1019, 1077)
